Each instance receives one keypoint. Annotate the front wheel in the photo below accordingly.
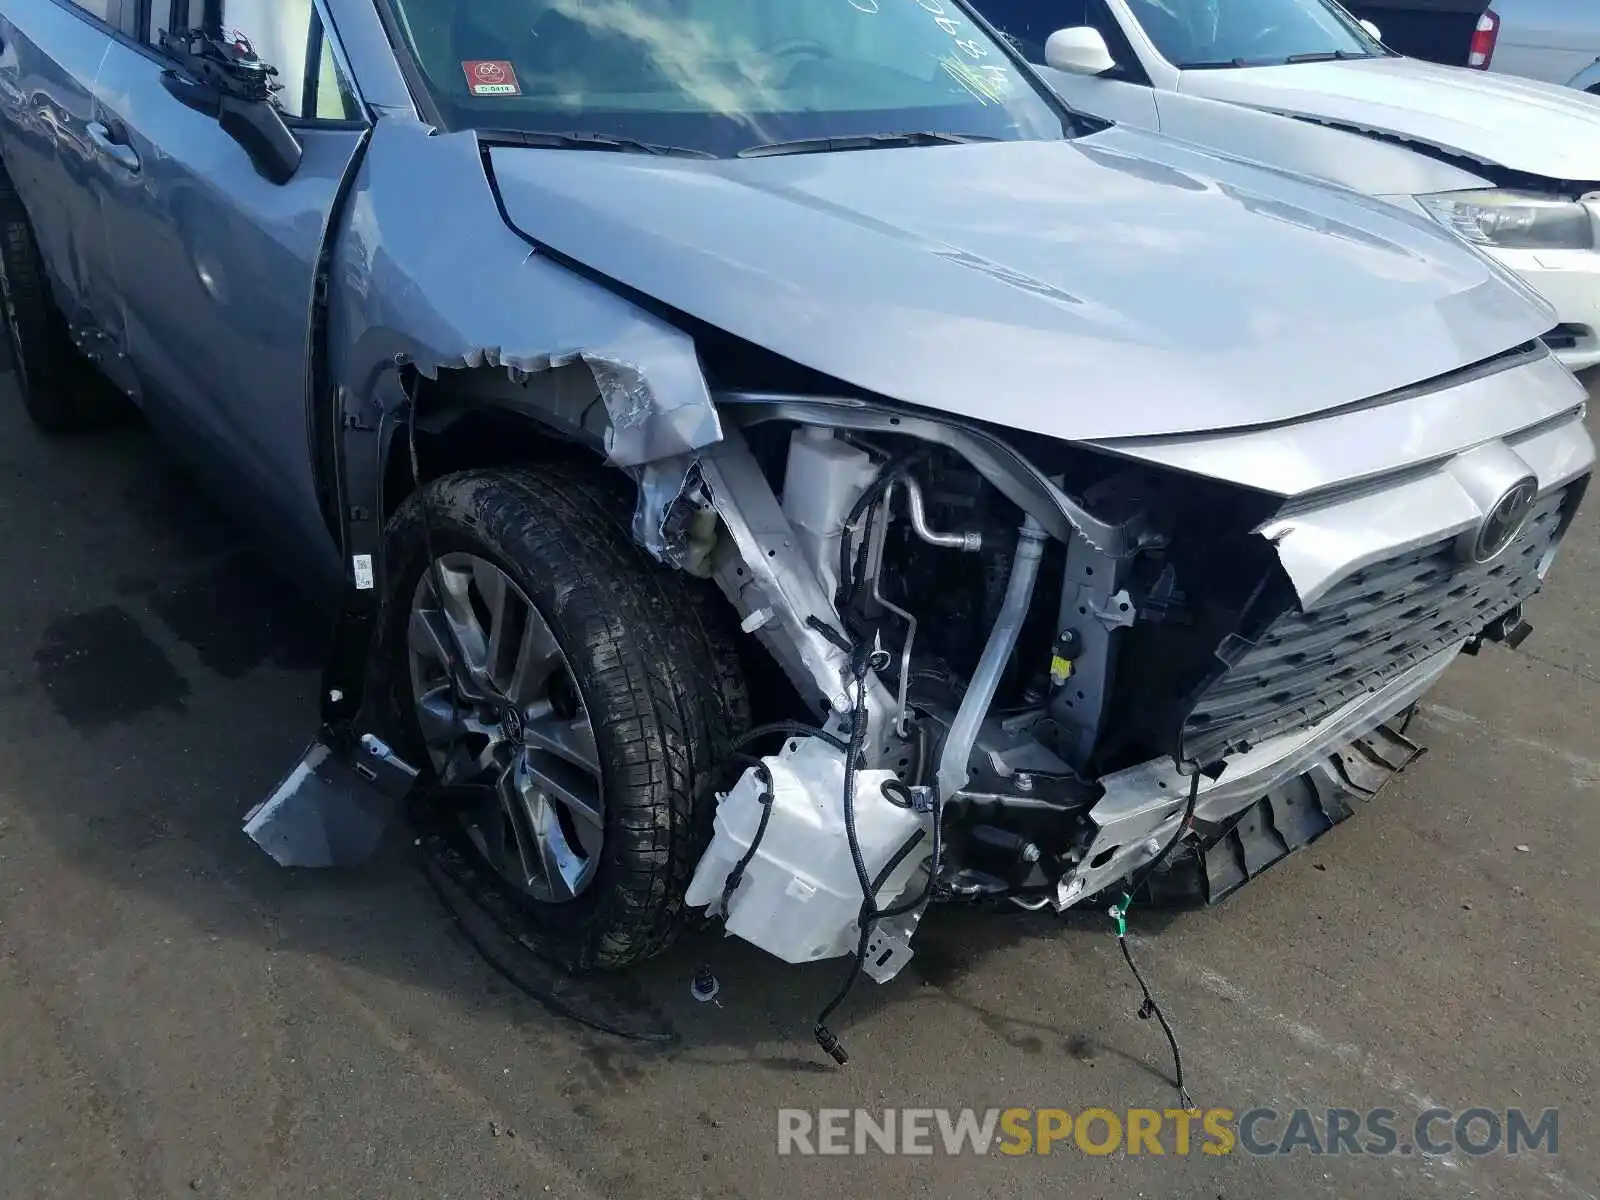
(595, 692)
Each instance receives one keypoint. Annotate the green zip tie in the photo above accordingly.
(1119, 914)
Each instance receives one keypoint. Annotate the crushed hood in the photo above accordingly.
(1120, 285)
(1519, 124)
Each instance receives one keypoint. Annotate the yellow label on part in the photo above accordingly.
(1060, 670)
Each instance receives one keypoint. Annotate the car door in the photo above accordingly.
(56, 148)
(215, 263)
(1122, 94)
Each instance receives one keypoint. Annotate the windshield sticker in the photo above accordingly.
(491, 77)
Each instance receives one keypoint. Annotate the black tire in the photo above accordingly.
(61, 391)
(651, 652)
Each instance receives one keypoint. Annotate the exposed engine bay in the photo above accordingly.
(1010, 715)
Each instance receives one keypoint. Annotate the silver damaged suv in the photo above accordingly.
(773, 461)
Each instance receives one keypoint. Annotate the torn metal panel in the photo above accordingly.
(667, 488)
(493, 301)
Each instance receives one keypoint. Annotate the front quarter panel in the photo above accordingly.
(466, 292)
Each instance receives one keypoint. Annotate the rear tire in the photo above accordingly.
(61, 391)
(647, 650)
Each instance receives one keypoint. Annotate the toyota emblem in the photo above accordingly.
(1505, 520)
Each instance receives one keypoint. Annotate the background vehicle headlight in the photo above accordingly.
(1513, 220)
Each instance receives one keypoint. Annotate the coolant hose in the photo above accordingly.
(953, 769)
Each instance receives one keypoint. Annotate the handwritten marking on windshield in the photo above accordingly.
(985, 88)
(988, 83)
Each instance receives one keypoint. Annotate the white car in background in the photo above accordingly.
(1510, 165)
(1557, 41)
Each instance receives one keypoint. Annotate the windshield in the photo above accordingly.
(1242, 33)
(721, 76)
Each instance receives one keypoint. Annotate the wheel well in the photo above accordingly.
(462, 427)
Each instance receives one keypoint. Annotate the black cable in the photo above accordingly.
(796, 728)
(828, 631)
(1149, 868)
(869, 902)
(1405, 723)
(1119, 913)
(825, 1036)
(847, 571)
(850, 573)
(792, 728)
(736, 876)
(935, 859)
(1150, 1008)
(858, 738)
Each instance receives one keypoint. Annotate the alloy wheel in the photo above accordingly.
(507, 717)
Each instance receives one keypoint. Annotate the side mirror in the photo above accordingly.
(1081, 51)
(256, 125)
(1373, 31)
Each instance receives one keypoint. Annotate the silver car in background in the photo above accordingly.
(1557, 41)
(1510, 165)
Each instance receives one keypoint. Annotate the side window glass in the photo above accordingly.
(326, 93)
(286, 33)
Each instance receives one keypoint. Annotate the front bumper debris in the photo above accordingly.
(333, 808)
(1222, 859)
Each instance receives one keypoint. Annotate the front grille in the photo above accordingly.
(1370, 627)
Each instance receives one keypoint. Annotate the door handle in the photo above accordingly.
(116, 150)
